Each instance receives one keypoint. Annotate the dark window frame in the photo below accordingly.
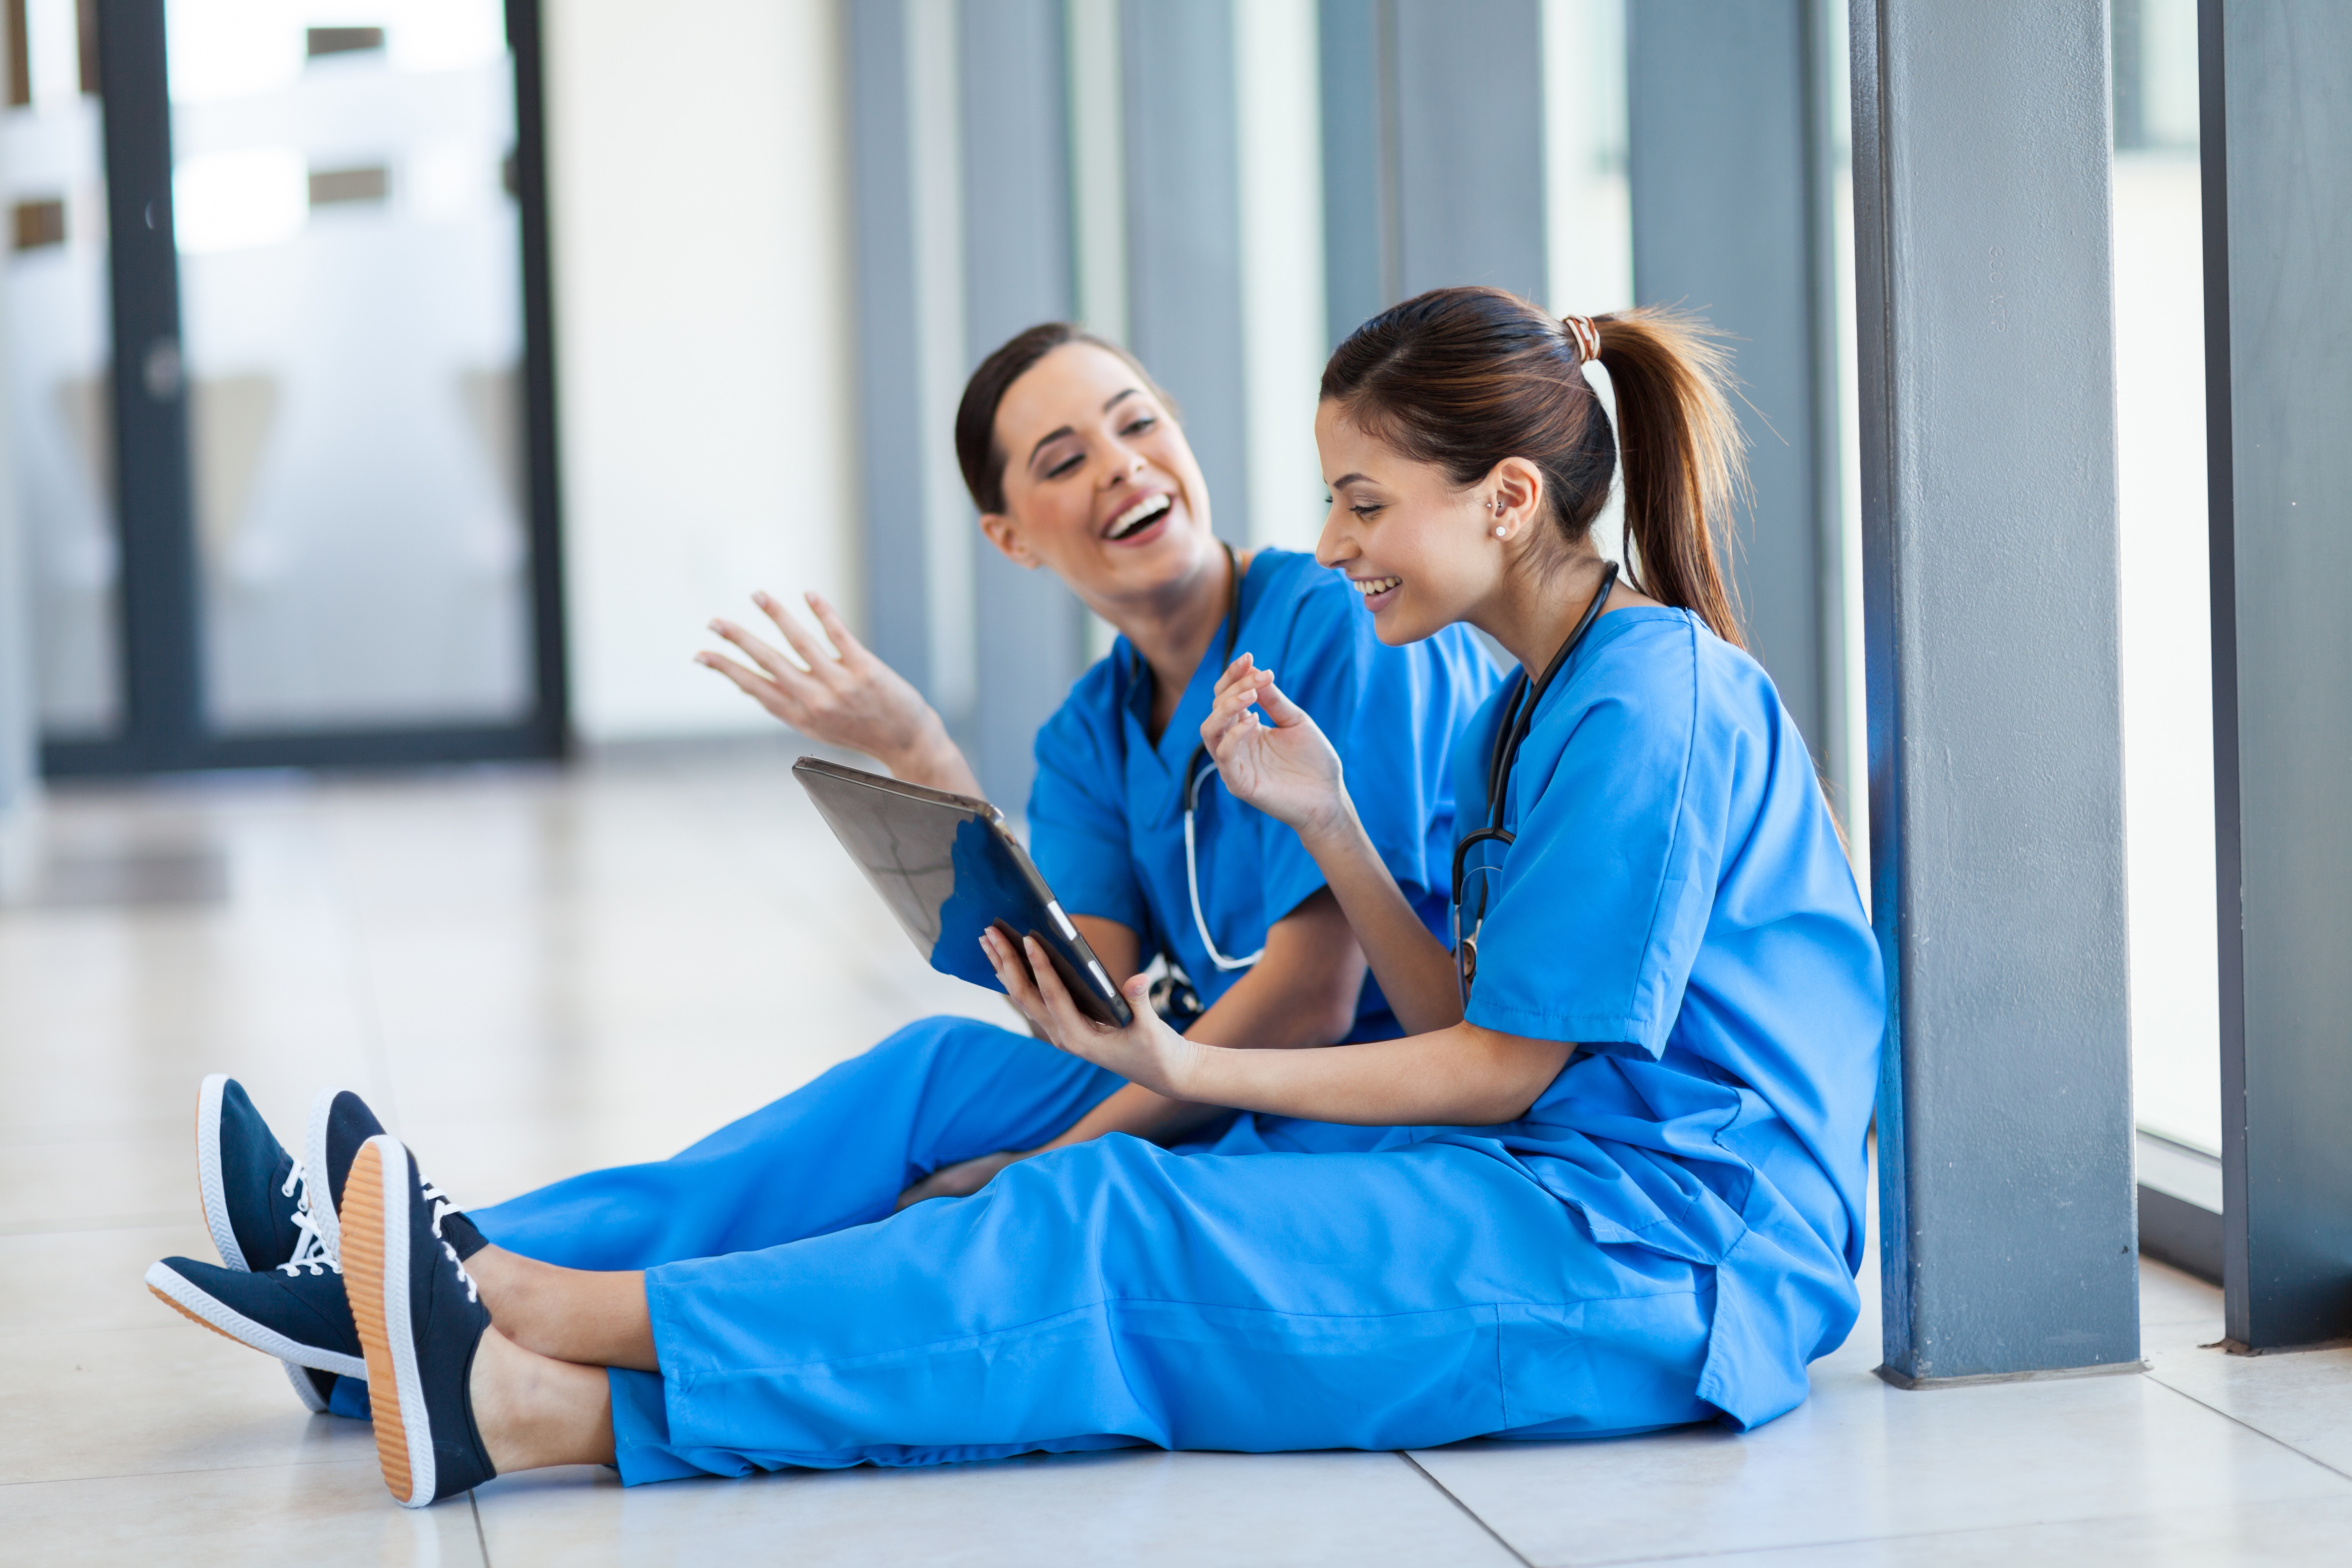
(163, 728)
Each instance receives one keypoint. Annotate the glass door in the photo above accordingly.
(333, 454)
(60, 351)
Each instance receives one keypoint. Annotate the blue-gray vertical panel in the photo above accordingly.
(1469, 95)
(2278, 155)
(1017, 272)
(1730, 219)
(1982, 207)
(17, 730)
(1358, 230)
(889, 356)
(1183, 237)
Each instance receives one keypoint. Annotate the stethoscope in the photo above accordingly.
(1196, 776)
(1518, 718)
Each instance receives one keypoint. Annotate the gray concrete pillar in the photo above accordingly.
(1730, 164)
(1469, 94)
(1017, 271)
(2277, 144)
(887, 149)
(1434, 151)
(1980, 149)
(19, 721)
(1183, 231)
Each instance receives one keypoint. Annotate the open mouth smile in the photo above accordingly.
(1373, 587)
(1146, 511)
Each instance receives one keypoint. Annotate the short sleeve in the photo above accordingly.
(1606, 891)
(1077, 820)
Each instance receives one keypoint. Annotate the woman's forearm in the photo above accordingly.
(1415, 972)
(1303, 992)
(1463, 1076)
(1136, 1110)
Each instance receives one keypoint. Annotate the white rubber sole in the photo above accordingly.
(209, 1172)
(376, 1272)
(305, 1390)
(221, 1318)
(314, 1162)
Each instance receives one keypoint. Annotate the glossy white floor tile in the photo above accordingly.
(1077, 1510)
(533, 972)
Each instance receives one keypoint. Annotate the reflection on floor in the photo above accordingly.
(533, 972)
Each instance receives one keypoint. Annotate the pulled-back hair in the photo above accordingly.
(1463, 378)
(977, 453)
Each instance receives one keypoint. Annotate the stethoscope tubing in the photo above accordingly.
(1518, 718)
(1194, 775)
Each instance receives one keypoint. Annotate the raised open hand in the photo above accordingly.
(842, 695)
(1281, 764)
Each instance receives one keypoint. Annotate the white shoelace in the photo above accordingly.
(311, 1253)
(442, 1209)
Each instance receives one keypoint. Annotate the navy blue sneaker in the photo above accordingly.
(252, 1189)
(340, 1122)
(257, 1204)
(420, 1322)
(297, 1311)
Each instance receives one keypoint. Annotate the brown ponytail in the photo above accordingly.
(1464, 378)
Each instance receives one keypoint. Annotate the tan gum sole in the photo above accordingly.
(193, 1318)
(362, 1216)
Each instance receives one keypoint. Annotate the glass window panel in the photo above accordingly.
(2166, 624)
(59, 357)
(350, 299)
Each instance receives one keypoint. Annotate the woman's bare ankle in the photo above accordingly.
(567, 1314)
(517, 1291)
(533, 1411)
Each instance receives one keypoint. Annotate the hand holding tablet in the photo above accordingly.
(950, 868)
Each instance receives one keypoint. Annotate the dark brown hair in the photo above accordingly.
(977, 453)
(1464, 378)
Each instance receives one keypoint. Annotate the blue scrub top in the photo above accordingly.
(1677, 904)
(1106, 812)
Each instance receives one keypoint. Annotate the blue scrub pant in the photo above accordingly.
(1313, 1292)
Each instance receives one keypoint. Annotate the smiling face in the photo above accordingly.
(1099, 483)
(1422, 552)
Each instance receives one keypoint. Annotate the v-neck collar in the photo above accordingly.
(1176, 741)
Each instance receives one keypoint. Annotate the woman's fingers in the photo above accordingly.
(778, 668)
(752, 684)
(1012, 977)
(1058, 1006)
(835, 631)
(822, 661)
(1279, 708)
(1235, 673)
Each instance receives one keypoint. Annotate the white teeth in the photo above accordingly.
(1136, 516)
(1368, 586)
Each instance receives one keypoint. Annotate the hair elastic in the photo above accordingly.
(1586, 336)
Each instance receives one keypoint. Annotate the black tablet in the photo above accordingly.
(950, 868)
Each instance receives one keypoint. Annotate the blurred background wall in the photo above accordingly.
(699, 210)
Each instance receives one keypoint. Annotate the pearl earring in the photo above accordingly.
(1501, 531)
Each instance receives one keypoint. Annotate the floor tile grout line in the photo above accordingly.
(192, 1470)
(160, 1219)
(1447, 1492)
(481, 1538)
(2268, 1436)
(1703, 1554)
